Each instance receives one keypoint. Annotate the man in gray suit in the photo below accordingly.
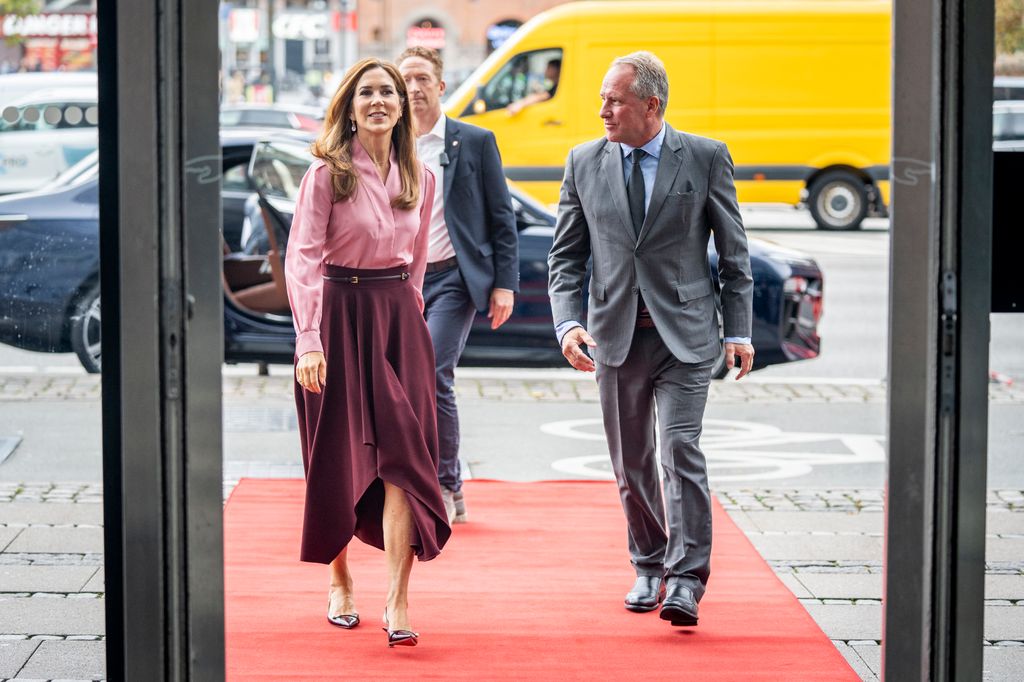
(642, 203)
(473, 255)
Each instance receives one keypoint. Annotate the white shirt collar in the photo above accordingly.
(439, 127)
(653, 146)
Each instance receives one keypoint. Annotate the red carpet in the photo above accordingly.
(531, 588)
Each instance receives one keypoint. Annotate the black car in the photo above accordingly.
(49, 266)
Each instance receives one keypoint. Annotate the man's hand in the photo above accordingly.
(746, 355)
(501, 306)
(571, 343)
(311, 371)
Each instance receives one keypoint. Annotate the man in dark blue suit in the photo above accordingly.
(473, 257)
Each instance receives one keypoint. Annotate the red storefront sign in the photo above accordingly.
(425, 37)
(66, 25)
(57, 40)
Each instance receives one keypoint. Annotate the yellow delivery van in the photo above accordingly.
(798, 89)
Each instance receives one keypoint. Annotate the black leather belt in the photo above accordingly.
(446, 264)
(357, 279)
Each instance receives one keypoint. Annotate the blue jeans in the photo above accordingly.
(449, 312)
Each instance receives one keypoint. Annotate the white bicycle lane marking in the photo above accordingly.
(735, 450)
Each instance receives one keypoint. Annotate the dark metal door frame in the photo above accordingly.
(162, 339)
(162, 335)
(939, 302)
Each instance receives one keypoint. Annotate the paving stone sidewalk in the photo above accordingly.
(824, 545)
(572, 388)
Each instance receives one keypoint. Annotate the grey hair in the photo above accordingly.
(649, 77)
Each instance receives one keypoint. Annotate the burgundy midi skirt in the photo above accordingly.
(375, 420)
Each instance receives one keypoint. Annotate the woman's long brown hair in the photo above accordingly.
(334, 146)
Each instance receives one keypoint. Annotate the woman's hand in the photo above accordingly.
(311, 371)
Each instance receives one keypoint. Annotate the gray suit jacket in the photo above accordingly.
(478, 212)
(693, 199)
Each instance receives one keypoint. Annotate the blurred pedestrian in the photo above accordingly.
(234, 88)
(473, 255)
(364, 364)
(642, 203)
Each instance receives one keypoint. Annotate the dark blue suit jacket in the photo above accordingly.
(478, 211)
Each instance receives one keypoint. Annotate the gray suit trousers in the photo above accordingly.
(670, 533)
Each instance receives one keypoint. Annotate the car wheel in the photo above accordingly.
(85, 330)
(838, 201)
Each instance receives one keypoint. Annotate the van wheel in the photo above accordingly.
(838, 201)
(85, 330)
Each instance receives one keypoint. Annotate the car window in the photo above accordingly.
(277, 168)
(231, 118)
(1008, 125)
(278, 119)
(235, 179)
(524, 74)
(83, 171)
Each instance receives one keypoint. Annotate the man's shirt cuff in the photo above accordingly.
(738, 339)
(564, 327)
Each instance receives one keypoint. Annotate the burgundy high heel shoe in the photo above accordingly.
(399, 637)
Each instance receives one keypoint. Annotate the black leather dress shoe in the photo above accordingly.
(646, 594)
(680, 607)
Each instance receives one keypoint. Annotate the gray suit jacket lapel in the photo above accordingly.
(669, 163)
(612, 169)
(451, 148)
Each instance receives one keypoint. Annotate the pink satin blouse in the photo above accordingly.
(363, 231)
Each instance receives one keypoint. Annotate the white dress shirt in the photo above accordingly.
(430, 147)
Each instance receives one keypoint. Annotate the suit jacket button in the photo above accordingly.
(635, 290)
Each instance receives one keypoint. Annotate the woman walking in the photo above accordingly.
(364, 363)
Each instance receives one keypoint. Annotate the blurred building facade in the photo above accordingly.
(465, 31)
(61, 37)
(295, 44)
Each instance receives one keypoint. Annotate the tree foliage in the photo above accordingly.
(20, 7)
(1009, 26)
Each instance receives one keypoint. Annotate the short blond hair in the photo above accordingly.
(432, 56)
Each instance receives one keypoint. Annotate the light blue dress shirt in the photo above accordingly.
(649, 168)
(649, 165)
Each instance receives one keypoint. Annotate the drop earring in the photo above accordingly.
(353, 126)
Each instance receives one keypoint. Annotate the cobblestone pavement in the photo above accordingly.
(825, 545)
(570, 389)
(840, 499)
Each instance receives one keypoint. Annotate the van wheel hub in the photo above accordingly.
(839, 201)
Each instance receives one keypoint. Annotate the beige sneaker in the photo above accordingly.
(449, 504)
(460, 508)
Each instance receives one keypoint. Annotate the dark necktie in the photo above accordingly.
(635, 191)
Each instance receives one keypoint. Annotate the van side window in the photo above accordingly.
(527, 78)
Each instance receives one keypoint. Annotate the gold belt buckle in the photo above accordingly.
(353, 280)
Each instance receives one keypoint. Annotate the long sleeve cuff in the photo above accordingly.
(564, 327)
(510, 282)
(737, 339)
(308, 342)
